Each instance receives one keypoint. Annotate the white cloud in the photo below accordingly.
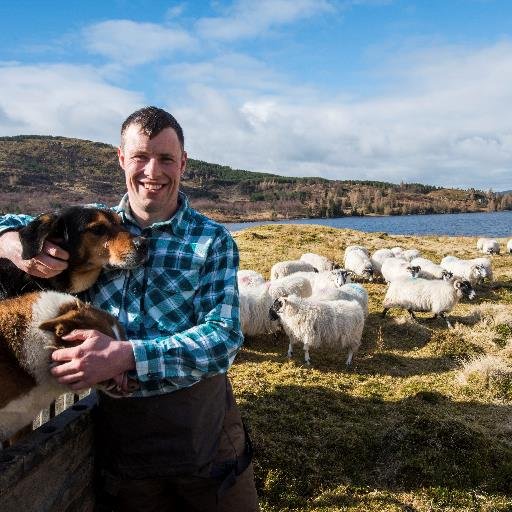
(250, 18)
(72, 101)
(132, 43)
(449, 122)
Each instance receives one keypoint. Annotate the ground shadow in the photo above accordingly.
(312, 439)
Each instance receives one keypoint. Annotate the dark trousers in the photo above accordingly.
(188, 493)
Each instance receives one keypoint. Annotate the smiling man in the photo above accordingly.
(178, 443)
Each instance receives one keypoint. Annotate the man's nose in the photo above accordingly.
(152, 169)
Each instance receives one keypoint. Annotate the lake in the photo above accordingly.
(492, 224)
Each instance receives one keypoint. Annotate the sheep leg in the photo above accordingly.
(383, 314)
(290, 350)
(349, 358)
(306, 355)
(411, 312)
(442, 315)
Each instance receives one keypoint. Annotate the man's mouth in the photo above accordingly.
(152, 186)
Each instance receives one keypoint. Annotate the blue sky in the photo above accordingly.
(388, 90)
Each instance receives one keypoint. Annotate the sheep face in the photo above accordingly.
(368, 272)
(341, 277)
(464, 288)
(414, 270)
(446, 275)
(278, 305)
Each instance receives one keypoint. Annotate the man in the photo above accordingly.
(177, 444)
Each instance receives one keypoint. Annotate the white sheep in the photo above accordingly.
(336, 324)
(295, 284)
(247, 277)
(285, 268)
(319, 262)
(378, 257)
(396, 268)
(464, 269)
(435, 296)
(509, 246)
(410, 254)
(490, 246)
(357, 248)
(430, 270)
(326, 280)
(397, 251)
(256, 300)
(487, 268)
(349, 291)
(358, 261)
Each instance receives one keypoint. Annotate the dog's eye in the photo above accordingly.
(98, 230)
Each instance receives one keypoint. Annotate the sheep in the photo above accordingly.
(249, 278)
(357, 248)
(349, 291)
(397, 251)
(319, 262)
(294, 284)
(395, 268)
(358, 261)
(285, 268)
(489, 246)
(487, 268)
(326, 280)
(256, 300)
(464, 269)
(430, 270)
(480, 243)
(337, 323)
(410, 254)
(378, 257)
(437, 296)
(509, 246)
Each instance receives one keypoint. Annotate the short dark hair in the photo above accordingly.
(152, 120)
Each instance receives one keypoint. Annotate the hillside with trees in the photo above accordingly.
(41, 173)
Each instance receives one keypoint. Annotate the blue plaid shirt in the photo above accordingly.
(180, 310)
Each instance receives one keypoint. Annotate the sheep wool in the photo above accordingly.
(321, 263)
(435, 296)
(285, 268)
(336, 324)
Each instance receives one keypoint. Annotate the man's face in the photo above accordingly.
(153, 169)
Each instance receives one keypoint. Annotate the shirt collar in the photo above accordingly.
(178, 223)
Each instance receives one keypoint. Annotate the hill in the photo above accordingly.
(39, 173)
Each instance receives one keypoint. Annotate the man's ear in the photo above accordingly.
(120, 157)
(34, 234)
(184, 157)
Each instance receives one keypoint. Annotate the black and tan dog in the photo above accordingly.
(94, 239)
(31, 327)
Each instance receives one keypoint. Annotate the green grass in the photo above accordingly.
(398, 431)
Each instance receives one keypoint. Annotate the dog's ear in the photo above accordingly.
(34, 234)
(60, 325)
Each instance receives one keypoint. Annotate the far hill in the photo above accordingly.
(39, 173)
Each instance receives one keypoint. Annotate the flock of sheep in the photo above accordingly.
(315, 302)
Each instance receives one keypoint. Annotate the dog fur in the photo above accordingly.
(94, 239)
(31, 327)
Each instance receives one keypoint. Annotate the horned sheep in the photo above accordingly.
(424, 295)
(336, 324)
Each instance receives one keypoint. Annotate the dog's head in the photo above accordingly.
(93, 237)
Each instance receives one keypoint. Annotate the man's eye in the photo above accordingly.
(140, 158)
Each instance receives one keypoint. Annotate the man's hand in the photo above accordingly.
(97, 359)
(50, 262)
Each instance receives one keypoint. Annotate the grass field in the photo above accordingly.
(422, 421)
